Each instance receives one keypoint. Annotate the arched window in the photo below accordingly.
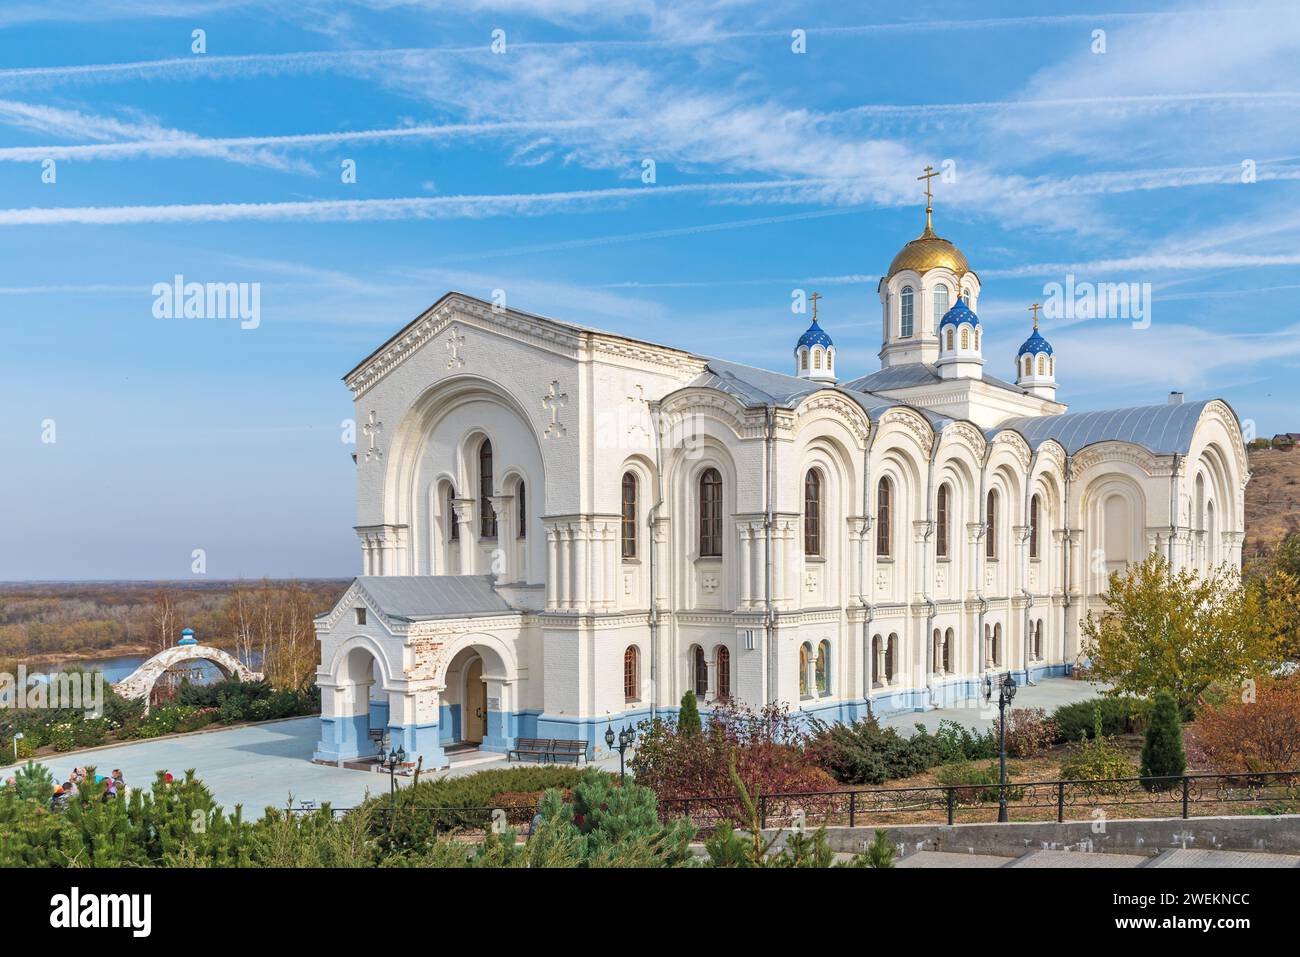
(523, 511)
(453, 525)
(965, 337)
(1033, 527)
(949, 337)
(629, 515)
(940, 303)
(1029, 366)
(988, 646)
(723, 665)
(631, 674)
(700, 672)
(487, 527)
(882, 517)
(822, 667)
(948, 639)
(711, 513)
(991, 526)
(830, 360)
(877, 662)
(803, 358)
(941, 523)
(905, 313)
(1051, 366)
(997, 645)
(817, 358)
(936, 645)
(1042, 365)
(805, 650)
(977, 340)
(812, 513)
(891, 658)
(1038, 641)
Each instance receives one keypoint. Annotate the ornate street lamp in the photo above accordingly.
(626, 736)
(1006, 693)
(390, 761)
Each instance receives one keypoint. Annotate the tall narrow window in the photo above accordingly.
(822, 668)
(1033, 527)
(1029, 366)
(977, 340)
(991, 526)
(723, 665)
(877, 662)
(948, 639)
(701, 668)
(523, 511)
(1038, 640)
(905, 314)
(965, 337)
(941, 523)
(711, 513)
(940, 303)
(629, 515)
(950, 338)
(817, 358)
(453, 524)
(631, 674)
(487, 516)
(882, 517)
(812, 513)
(805, 651)
(891, 658)
(803, 358)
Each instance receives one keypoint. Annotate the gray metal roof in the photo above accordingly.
(1161, 429)
(416, 597)
(913, 374)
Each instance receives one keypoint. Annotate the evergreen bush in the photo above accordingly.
(1162, 752)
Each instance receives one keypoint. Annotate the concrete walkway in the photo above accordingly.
(254, 765)
(1048, 694)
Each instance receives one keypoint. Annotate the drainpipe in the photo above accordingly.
(980, 559)
(1066, 541)
(1173, 508)
(652, 521)
(927, 570)
(865, 580)
(1024, 590)
(769, 617)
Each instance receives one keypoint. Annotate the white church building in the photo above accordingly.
(563, 528)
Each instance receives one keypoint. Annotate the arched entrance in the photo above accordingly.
(354, 706)
(478, 689)
(475, 702)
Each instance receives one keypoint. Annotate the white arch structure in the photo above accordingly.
(139, 683)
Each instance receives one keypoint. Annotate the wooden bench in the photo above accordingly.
(539, 748)
(568, 750)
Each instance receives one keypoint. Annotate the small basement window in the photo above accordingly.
(361, 616)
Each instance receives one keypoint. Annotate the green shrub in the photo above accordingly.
(1097, 760)
(433, 807)
(976, 782)
(1119, 715)
(1162, 753)
(957, 742)
(866, 753)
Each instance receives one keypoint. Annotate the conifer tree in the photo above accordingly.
(1162, 753)
(688, 722)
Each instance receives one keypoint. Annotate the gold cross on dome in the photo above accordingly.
(813, 299)
(928, 175)
(1034, 309)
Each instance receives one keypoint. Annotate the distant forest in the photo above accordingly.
(271, 619)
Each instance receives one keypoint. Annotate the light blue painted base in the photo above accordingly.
(347, 739)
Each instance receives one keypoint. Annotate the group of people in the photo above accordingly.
(63, 793)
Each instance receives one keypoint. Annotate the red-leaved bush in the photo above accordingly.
(767, 746)
(1262, 734)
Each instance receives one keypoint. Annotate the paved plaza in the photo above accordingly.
(263, 765)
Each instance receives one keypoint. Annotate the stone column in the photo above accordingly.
(465, 512)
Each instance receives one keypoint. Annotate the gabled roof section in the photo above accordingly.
(420, 597)
(911, 374)
(1160, 429)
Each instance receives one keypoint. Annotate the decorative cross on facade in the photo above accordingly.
(810, 581)
(454, 342)
(373, 428)
(552, 402)
(639, 414)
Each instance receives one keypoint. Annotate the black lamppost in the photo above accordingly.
(1006, 692)
(390, 762)
(626, 736)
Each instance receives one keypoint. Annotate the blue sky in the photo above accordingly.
(521, 170)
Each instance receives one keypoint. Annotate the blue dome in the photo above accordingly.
(815, 336)
(187, 631)
(1034, 345)
(958, 314)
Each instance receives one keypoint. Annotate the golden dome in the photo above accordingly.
(927, 252)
